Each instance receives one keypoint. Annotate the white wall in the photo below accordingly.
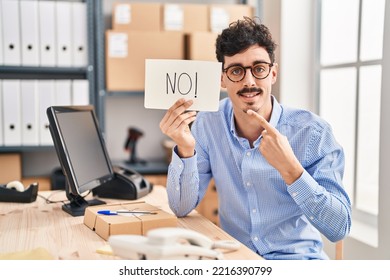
(271, 18)
(295, 22)
(297, 54)
(292, 26)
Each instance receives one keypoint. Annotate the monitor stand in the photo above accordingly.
(77, 204)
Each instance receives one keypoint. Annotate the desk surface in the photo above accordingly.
(29, 226)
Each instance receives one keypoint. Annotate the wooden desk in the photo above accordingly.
(38, 224)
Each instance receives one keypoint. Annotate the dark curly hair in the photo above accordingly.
(242, 34)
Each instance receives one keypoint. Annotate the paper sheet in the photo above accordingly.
(169, 80)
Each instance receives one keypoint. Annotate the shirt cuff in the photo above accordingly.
(183, 165)
(303, 188)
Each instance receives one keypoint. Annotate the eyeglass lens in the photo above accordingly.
(260, 71)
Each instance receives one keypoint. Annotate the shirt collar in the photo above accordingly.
(275, 116)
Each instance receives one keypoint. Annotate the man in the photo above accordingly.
(278, 171)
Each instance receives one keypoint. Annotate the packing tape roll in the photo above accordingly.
(16, 185)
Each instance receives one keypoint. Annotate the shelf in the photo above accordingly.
(38, 154)
(30, 72)
(13, 149)
(126, 93)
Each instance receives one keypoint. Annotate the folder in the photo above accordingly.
(1, 113)
(11, 32)
(11, 113)
(63, 33)
(29, 32)
(80, 92)
(46, 99)
(79, 33)
(1, 37)
(63, 92)
(47, 33)
(29, 111)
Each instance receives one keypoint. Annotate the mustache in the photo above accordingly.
(249, 90)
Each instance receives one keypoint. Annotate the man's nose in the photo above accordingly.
(249, 80)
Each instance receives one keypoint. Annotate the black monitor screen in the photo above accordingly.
(80, 147)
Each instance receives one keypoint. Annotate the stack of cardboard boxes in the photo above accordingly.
(164, 31)
(208, 207)
(11, 170)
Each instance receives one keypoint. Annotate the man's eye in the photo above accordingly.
(237, 71)
(259, 69)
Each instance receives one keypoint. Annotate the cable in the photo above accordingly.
(49, 201)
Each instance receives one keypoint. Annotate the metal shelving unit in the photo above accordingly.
(42, 73)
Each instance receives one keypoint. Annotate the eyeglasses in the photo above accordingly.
(236, 73)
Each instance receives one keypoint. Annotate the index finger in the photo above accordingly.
(263, 122)
(185, 104)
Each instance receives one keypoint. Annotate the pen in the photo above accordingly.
(109, 212)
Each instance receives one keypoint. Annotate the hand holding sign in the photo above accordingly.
(167, 81)
(277, 151)
(175, 124)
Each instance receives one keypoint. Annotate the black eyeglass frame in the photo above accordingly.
(251, 68)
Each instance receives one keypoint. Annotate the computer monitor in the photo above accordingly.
(82, 153)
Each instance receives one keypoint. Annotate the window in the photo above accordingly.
(350, 76)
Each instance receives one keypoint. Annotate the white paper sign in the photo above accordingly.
(123, 14)
(169, 80)
(117, 46)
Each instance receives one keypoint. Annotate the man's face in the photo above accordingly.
(250, 93)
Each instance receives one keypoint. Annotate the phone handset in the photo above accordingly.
(168, 236)
(169, 243)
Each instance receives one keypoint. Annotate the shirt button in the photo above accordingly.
(294, 194)
(180, 165)
(254, 210)
(248, 184)
(311, 217)
(248, 154)
(177, 188)
(255, 238)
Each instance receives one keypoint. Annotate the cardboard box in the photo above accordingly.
(221, 15)
(137, 16)
(185, 17)
(208, 207)
(126, 53)
(10, 168)
(201, 46)
(107, 225)
(44, 182)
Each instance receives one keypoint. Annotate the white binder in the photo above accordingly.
(64, 33)
(1, 114)
(1, 37)
(80, 36)
(11, 113)
(11, 32)
(29, 32)
(63, 92)
(47, 33)
(46, 99)
(80, 92)
(29, 107)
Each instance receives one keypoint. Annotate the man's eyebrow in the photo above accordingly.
(253, 63)
(260, 61)
(234, 64)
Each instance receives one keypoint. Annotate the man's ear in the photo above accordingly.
(223, 85)
(274, 72)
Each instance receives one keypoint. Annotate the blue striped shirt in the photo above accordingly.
(256, 207)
